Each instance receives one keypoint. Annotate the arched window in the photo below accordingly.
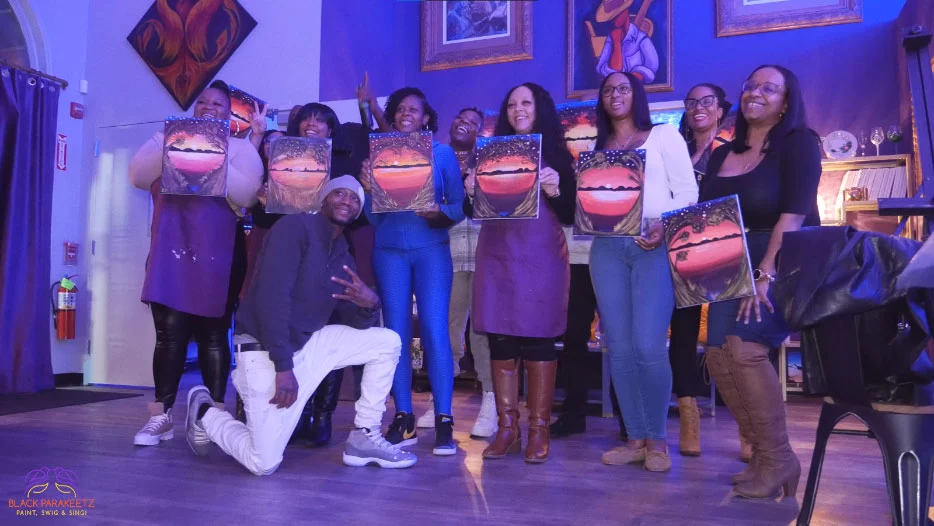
(13, 48)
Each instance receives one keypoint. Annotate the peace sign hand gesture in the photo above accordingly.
(356, 291)
(258, 124)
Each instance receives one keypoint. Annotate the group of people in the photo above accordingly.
(317, 286)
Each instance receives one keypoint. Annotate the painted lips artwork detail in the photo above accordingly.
(242, 105)
(579, 120)
(609, 192)
(194, 157)
(298, 170)
(507, 177)
(402, 171)
(707, 252)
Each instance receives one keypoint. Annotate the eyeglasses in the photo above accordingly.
(766, 88)
(622, 89)
(704, 102)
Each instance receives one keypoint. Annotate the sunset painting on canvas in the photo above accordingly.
(707, 252)
(488, 125)
(242, 105)
(609, 192)
(298, 170)
(402, 171)
(579, 120)
(194, 157)
(507, 177)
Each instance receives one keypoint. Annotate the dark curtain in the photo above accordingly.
(28, 114)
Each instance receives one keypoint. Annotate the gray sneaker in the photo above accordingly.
(198, 439)
(366, 447)
(158, 428)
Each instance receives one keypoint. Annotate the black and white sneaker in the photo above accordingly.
(444, 436)
(402, 430)
(365, 447)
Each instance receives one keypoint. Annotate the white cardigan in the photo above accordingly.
(669, 174)
(244, 169)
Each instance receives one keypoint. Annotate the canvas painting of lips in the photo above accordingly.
(707, 252)
(194, 157)
(298, 170)
(507, 177)
(402, 171)
(242, 105)
(579, 120)
(609, 192)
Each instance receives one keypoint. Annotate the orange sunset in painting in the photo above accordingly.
(298, 169)
(707, 252)
(507, 176)
(195, 157)
(242, 105)
(579, 120)
(609, 192)
(402, 171)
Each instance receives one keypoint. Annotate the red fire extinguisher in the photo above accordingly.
(64, 299)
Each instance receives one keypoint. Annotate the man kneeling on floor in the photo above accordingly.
(284, 349)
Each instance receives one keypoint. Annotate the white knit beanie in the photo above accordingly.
(347, 182)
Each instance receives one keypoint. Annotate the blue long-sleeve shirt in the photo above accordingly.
(406, 230)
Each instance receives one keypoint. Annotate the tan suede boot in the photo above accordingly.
(689, 416)
(776, 466)
(718, 363)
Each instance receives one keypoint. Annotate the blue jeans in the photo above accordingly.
(635, 299)
(428, 272)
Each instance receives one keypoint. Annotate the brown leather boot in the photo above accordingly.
(776, 466)
(541, 396)
(718, 363)
(689, 416)
(508, 438)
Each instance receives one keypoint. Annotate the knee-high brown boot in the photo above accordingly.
(718, 363)
(508, 438)
(776, 466)
(541, 396)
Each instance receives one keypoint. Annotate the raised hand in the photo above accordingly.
(356, 291)
(258, 124)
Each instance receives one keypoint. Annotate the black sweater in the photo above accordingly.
(290, 297)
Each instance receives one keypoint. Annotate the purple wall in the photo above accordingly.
(848, 71)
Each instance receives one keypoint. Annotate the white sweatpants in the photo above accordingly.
(259, 443)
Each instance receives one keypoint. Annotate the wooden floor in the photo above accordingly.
(167, 484)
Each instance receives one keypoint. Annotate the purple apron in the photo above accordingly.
(191, 253)
(520, 287)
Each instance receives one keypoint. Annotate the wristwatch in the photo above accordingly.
(760, 275)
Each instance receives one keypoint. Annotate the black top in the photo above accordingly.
(700, 167)
(785, 182)
(290, 297)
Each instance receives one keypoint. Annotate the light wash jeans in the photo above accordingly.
(635, 299)
(258, 445)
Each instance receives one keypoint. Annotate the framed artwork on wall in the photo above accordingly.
(618, 35)
(184, 59)
(741, 17)
(460, 33)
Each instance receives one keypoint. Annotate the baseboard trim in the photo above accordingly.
(69, 379)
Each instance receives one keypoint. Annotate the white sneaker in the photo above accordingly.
(158, 428)
(427, 420)
(485, 426)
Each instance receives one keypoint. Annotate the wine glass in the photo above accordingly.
(862, 138)
(876, 137)
(895, 135)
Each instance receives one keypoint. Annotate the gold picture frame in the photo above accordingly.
(456, 40)
(743, 17)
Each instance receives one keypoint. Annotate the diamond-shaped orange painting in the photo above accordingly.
(186, 42)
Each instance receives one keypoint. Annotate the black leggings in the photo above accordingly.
(573, 369)
(174, 329)
(503, 347)
(682, 352)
